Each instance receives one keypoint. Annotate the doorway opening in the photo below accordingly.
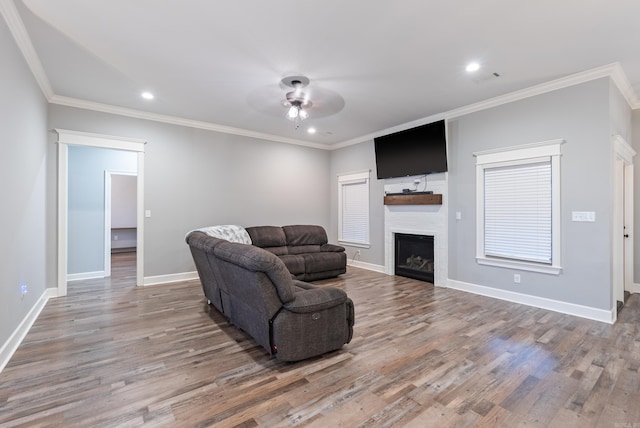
(120, 219)
(66, 139)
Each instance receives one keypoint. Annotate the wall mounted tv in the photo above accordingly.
(415, 151)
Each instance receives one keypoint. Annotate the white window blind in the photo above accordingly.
(353, 218)
(518, 212)
(518, 207)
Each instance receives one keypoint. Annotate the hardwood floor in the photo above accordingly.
(112, 354)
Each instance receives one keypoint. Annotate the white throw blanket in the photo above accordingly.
(230, 232)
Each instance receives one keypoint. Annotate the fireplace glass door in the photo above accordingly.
(414, 256)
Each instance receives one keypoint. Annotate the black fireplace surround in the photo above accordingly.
(414, 256)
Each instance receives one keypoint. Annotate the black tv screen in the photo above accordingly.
(415, 151)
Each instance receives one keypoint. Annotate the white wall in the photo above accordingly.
(123, 201)
(23, 166)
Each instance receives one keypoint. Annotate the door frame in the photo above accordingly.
(108, 174)
(68, 138)
(622, 248)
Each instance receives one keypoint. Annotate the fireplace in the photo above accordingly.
(414, 256)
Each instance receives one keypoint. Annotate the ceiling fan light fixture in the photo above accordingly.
(293, 112)
(296, 100)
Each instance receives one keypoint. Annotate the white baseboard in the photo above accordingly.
(635, 288)
(16, 338)
(174, 277)
(124, 243)
(85, 275)
(602, 315)
(365, 265)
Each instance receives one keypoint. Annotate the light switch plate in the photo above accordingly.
(588, 216)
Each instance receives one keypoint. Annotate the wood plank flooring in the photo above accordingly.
(112, 354)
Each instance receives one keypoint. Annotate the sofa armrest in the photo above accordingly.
(332, 248)
(316, 299)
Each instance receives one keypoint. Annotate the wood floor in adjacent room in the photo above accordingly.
(111, 354)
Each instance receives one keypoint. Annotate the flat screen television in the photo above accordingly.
(415, 151)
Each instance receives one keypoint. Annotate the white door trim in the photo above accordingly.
(622, 248)
(75, 138)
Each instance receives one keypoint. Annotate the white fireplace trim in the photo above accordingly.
(440, 276)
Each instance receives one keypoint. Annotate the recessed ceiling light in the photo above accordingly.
(147, 95)
(311, 130)
(472, 66)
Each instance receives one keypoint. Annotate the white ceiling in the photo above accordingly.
(373, 65)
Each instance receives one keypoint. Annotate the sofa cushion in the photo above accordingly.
(305, 235)
(278, 251)
(258, 260)
(304, 249)
(267, 236)
(294, 263)
(320, 262)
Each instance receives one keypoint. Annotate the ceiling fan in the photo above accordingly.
(296, 101)
(292, 98)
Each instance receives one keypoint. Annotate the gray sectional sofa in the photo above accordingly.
(255, 291)
(304, 249)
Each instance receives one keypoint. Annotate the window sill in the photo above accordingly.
(519, 265)
(354, 244)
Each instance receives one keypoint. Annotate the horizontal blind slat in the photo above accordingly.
(517, 212)
(355, 211)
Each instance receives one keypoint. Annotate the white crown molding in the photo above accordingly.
(613, 71)
(564, 82)
(17, 28)
(20, 34)
(156, 117)
(621, 80)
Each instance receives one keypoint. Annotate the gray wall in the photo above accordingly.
(23, 113)
(196, 178)
(355, 158)
(579, 115)
(86, 203)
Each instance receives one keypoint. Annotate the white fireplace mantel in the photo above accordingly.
(430, 220)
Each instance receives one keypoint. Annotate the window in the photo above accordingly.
(353, 209)
(518, 207)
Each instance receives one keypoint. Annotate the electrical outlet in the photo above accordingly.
(23, 290)
(357, 252)
(115, 237)
(516, 278)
